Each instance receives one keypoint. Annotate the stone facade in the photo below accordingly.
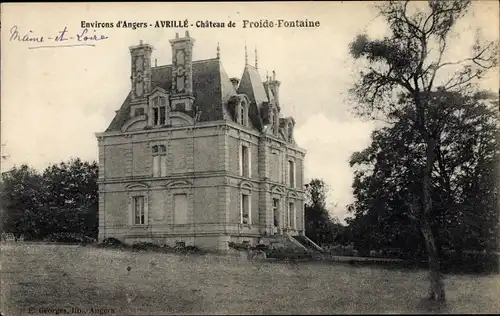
(195, 157)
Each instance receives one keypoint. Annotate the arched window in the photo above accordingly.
(243, 113)
(159, 161)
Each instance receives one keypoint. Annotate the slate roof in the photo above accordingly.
(211, 89)
(251, 85)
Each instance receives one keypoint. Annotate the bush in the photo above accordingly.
(239, 246)
(144, 246)
(285, 253)
(111, 243)
(69, 238)
(342, 250)
(260, 247)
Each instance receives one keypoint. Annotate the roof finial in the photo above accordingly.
(256, 65)
(156, 62)
(218, 50)
(140, 42)
(267, 75)
(274, 75)
(246, 54)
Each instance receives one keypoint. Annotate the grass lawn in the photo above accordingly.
(43, 278)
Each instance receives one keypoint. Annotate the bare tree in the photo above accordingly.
(401, 74)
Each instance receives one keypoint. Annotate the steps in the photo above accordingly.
(298, 243)
(308, 243)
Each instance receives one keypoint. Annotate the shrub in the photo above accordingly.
(285, 253)
(112, 242)
(69, 238)
(145, 246)
(239, 246)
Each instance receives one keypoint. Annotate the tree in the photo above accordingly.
(21, 200)
(403, 69)
(63, 199)
(464, 191)
(71, 197)
(319, 225)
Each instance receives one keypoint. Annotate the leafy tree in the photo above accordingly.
(386, 183)
(320, 227)
(63, 199)
(20, 201)
(403, 69)
(71, 197)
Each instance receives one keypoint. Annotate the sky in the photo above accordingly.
(54, 99)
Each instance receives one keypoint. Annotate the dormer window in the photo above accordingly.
(243, 113)
(275, 121)
(159, 111)
(271, 121)
(290, 132)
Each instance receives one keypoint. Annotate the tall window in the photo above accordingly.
(180, 209)
(159, 161)
(242, 115)
(159, 111)
(291, 214)
(245, 209)
(138, 210)
(275, 211)
(291, 174)
(245, 161)
(276, 174)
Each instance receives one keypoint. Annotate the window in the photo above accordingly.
(291, 174)
(139, 112)
(275, 211)
(290, 132)
(180, 209)
(276, 121)
(291, 215)
(275, 165)
(138, 210)
(271, 121)
(242, 115)
(245, 209)
(245, 161)
(159, 161)
(159, 111)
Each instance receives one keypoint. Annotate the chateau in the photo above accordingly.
(193, 157)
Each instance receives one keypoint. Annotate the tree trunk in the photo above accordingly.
(436, 290)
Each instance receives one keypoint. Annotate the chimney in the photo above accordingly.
(274, 86)
(235, 82)
(141, 71)
(182, 71)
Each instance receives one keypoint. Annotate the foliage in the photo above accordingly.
(320, 227)
(404, 82)
(464, 190)
(61, 200)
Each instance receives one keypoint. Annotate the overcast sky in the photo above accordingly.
(55, 99)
